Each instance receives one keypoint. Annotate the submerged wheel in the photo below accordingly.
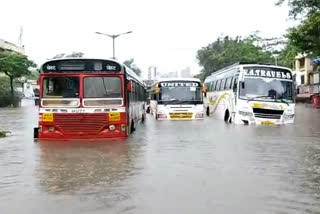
(208, 111)
(227, 117)
(132, 128)
(143, 118)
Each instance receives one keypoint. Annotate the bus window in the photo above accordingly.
(102, 87)
(235, 84)
(223, 82)
(106, 89)
(218, 85)
(228, 83)
(211, 86)
(61, 87)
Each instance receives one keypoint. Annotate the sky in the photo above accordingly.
(165, 33)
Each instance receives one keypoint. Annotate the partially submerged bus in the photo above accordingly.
(177, 99)
(88, 99)
(246, 93)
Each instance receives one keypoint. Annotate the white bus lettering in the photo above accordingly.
(111, 67)
(288, 76)
(273, 73)
(278, 74)
(268, 74)
(51, 67)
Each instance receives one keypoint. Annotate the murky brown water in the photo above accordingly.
(165, 167)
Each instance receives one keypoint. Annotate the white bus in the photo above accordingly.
(177, 99)
(251, 94)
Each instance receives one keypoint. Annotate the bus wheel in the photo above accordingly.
(132, 128)
(208, 111)
(143, 118)
(227, 117)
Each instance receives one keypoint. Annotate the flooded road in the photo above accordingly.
(164, 167)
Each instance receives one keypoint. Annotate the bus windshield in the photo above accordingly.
(180, 95)
(266, 89)
(61, 87)
(101, 91)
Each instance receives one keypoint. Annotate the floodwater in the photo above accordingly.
(164, 167)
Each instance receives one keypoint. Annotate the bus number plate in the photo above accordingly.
(47, 117)
(115, 116)
(267, 123)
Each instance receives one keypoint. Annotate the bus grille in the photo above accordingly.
(181, 115)
(267, 113)
(75, 123)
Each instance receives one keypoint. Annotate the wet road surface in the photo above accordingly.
(164, 167)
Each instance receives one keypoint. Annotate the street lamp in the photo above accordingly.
(114, 36)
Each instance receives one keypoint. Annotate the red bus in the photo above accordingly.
(89, 99)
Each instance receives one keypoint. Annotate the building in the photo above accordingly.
(153, 73)
(8, 46)
(186, 73)
(307, 75)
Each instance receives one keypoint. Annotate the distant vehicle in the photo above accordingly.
(251, 94)
(25, 89)
(177, 99)
(89, 98)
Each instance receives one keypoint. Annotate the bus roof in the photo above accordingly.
(179, 79)
(106, 65)
(242, 64)
(75, 64)
(238, 64)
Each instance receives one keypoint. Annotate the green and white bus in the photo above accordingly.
(251, 94)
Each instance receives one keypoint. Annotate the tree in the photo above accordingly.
(130, 64)
(14, 65)
(301, 7)
(305, 37)
(226, 51)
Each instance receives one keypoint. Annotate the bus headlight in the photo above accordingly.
(123, 127)
(199, 115)
(112, 127)
(246, 114)
(51, 129)
(288, 116)
(162, 115)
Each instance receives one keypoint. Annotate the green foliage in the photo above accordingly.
(301, 7)
(3, 133)
(34, 75)
(305, 37)
(130, 64)
(4, 85)
(287, 56)
(14, 65)
(226, 51)
(6, 98)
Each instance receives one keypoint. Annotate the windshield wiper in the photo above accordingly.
(260, 97)
(284, 101)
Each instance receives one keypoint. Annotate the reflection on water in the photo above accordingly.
(165, 167)
(73, 166)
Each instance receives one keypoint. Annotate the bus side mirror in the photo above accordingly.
(129, 86)
(204, 91)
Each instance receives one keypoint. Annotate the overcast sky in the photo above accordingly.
(166, 33)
